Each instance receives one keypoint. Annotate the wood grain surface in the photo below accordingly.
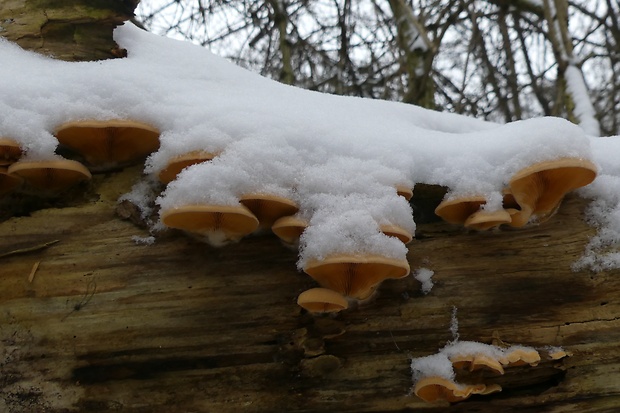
(106, 324)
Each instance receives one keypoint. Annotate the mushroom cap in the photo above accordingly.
(116, 141)
(398, 232)
(268, 208)
(10, 151)
(51, 176)
(405, 191)
(234, 221)
(474, 362)
(457, 210)
(8, 182)
(355, 275)
(433, 388)
(289, 228)
(557, 354)
(520, 357)
(539, 188)
(322, 300)
(483, 220)
(180, 162)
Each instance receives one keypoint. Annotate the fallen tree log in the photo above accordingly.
(104, 323)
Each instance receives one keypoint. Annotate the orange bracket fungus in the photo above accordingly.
(395, 231)
(539, 188)
(473, 362)
(10, 151)
(520, 356)
(289, 229)
(355, 275)
(483, 220)
(50, 176)
(457, 210)
(268, 208)
(405, 191)
(180, 162)
(109, 142)
(435, 388)
(219, 221)
(467, 211)
(322, 300)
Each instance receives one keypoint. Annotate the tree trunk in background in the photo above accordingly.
(67, 30)
(418, 54)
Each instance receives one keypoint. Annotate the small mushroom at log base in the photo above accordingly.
(405, 191)
(268, 208)
(395, 231)
(10, 151)
(539, 189)
(483, 220)
(435, 388)
(355, 275)
(233, 222)
(289, 229)
(110, 142)
(50, 176)
(180, 162)
(457, 210)
(322, 300)
(8, 182)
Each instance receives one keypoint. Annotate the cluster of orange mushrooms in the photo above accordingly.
(434, 387)
(533, 193)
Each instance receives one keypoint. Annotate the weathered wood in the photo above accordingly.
(111, 325)
(66, 30)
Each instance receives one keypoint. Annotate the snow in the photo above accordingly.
(602, 251)
(340, 158)
(424, 275)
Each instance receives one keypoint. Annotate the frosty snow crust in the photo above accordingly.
(339, 159)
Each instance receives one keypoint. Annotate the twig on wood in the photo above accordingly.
(29, 249)
(35, 267)
(88, 295)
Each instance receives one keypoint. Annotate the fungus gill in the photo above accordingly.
(110, 142)
(322, 300)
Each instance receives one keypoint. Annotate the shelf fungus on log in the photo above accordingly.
(50, 176)
(8, 182)
(355, 276)
(180, 162)
(539, 189)
(268, 208)
(436, 388)
(395, 231)
(473, 362)
(520, 356)
(322, 300)
(483, 220)
(467, 211)
(289, 229)
(115, 142)
(405, 191)
(219, 223)
(10, 151)
(457, 210)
